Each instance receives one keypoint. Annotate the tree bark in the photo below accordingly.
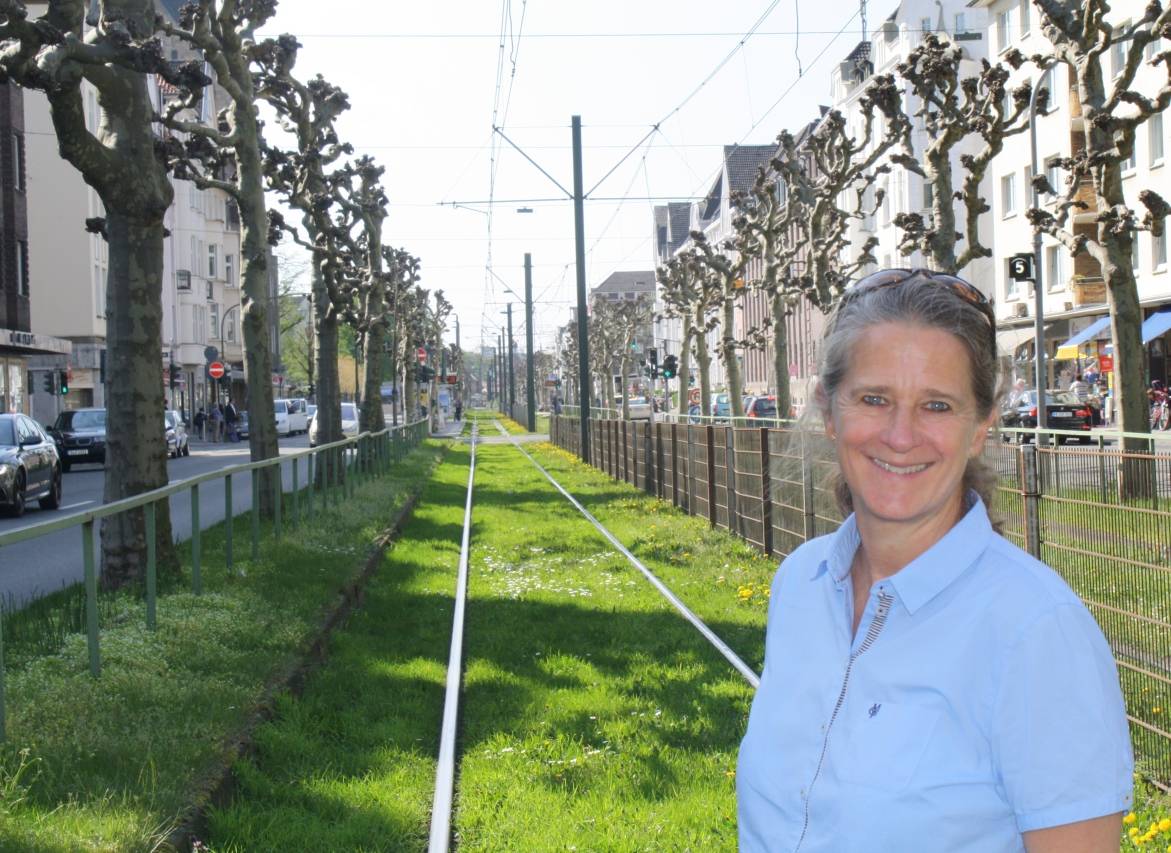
(704, 359)
(685, 367)
(728, 351)
(781, 354)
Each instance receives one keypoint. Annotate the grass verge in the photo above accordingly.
(111, 763)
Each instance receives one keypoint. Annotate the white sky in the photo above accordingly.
(422, 80)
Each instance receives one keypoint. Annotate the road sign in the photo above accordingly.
(1020, 267)
(1106, 363)
(421, 353)
(216, 370)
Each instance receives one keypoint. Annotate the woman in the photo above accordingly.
(927, 684)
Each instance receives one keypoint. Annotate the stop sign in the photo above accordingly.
(422, 354)
(216, 370)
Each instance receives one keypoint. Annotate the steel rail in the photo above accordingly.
(445, 768)
(723, 648)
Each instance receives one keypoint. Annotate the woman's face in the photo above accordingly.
(905, 422)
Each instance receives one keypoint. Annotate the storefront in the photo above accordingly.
(16, 348)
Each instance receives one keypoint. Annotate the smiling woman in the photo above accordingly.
(923, 676)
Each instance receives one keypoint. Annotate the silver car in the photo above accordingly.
(177, 440)
(30, 468)
(349, 423)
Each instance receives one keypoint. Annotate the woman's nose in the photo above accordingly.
(901, 428)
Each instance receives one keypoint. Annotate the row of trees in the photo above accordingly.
(791, 237)
(115, 46)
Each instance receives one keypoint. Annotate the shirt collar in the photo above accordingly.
(932, 571)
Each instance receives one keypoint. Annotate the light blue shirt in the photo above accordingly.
(978, 700)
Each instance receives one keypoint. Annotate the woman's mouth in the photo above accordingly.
(899, 469)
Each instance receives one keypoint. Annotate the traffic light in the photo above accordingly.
(653, 359)
(424, 373)
(670, 367)
(63, 382)
(49, 378)
(174, 374)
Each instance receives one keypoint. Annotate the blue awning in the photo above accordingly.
(1090, 332)
(1156, 324)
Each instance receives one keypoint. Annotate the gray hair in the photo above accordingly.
(917, 300)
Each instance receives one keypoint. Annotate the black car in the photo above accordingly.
(29, 466)
(81, 436)
(1064, 411)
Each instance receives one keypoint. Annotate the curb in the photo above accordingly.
(218, 783)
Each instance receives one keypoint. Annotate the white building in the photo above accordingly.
(1074, 298)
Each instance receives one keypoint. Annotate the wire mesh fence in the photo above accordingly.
(1099, 515)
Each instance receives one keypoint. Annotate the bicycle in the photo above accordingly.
(1160, 410)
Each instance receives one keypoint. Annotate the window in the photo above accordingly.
(1053, 174)
(194, 255)
(1055, 267)
(1004, 30)
(1159, 251)
(1154, 48)
(1131, 162)
(1008, 194)
(214, 314)
(1024, 17)
(925, 24)
(230, 326)
(1134, 251)
(1118, 50)
(18, 161)
(230, 270)
(22, 268)
(928, 194)
(961, 25)
(213, 252)
(1155, 138)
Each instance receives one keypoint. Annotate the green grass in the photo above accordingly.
(107, 764)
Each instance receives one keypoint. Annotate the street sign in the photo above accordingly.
(1020, 267)
(1106, 363)
(216, 370)
(421, 354)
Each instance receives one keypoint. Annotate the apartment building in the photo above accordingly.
(1074, 299)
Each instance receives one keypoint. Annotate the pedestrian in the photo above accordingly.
(200, 420)
(230, 418)
(557, 404)
(1080, 389)
(1017, 392)
(459, 410)
(927, 684)
(217, 422)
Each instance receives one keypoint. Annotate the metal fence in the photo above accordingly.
(332, 473)
(1064, 505)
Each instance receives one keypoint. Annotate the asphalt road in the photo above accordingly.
(37, 566)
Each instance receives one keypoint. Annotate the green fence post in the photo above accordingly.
(229, 518)
(152, 574)
(1102, 468)
(312, 483)
(296, 488)
(91, 597)
(278, 489)
(196, 570)
(255, 514)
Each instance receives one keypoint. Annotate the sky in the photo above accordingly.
(428, 82)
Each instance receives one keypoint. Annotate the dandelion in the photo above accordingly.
(731, 774)
(1129, 819)
(1157, 710)
(1164, 825)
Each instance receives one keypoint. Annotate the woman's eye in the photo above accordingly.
(872, 400)
(938, 406)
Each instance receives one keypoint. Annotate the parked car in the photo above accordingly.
(349, 423)
(81, 437)
(761, 407)
(1063, 410)
(177, 440)
(311, 410)
(242, 424)
(721, 406)
(30, 468)
(291, 417)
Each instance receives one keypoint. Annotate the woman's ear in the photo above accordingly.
(821, 401)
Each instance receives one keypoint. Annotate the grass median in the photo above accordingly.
(111, 763)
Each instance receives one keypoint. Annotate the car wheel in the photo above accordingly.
(65, 465)
(16, 509)
(53, 499)
(187, 449)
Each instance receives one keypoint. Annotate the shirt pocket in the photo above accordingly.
(882, 744)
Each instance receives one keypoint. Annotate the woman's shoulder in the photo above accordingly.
(1021, 585)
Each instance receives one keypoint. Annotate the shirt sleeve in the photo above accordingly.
(1060, 734)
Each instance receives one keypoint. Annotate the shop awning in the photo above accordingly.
(1100, 328)
(1008, 341)
(1157, 324)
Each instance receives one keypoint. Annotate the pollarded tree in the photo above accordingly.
(691, 294)
(954, 109)
(725, 268)
(228, 157)
(302, 176)
(120, 160)
(436, 323)
(1112, 111)
(604, 345)
(628, 319)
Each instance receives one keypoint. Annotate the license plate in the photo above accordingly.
(1061, 414)
(78, 453)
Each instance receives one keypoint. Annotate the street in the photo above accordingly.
(32, 568)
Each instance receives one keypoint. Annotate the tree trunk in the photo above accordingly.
(327, 386)
(781, 356)
(372, 419)
(704, 359)
(731, 363)
(262, 436)
(624, 366)
(136, 461)
(410, 398)
(685, 368)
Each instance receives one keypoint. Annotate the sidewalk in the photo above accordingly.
(451, 429)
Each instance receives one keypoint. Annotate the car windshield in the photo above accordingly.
(170, 419)
(280, 407)
(8, 433)
(349, 412)
(82, 420)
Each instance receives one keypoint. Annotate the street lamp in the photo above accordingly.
(1038, 291)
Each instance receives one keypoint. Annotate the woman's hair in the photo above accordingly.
(921, 301)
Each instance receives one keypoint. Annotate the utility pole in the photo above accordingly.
(531, 385)
(459, 388)
(501, 376)
(1038, 292)
(583, 347)
(511, 374)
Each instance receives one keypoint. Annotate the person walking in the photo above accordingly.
(230, 418)
(200, 422)
(927, 684)
(217, 422)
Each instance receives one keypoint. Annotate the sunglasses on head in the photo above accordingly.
(894, 277)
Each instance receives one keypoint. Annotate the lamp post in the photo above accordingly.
(1038, 291)
(223, 320)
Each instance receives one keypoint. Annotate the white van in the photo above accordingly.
(292, 416)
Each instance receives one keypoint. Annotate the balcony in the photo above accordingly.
(1088, 290)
